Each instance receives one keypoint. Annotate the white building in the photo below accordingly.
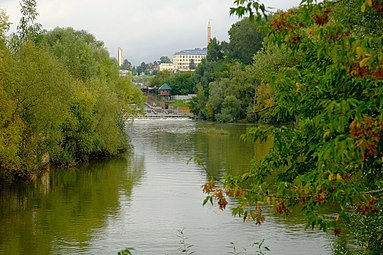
(182, 59)
(166, 67)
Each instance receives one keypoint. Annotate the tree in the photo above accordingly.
(198, 106)
(220, 64)
(165, 59)
(267, 63)
(28, 28)
(101, 101)
(231, 109)
(4, 25)
(192, 65)
(215, 51)
(62, 101)
(84, 56)
(245, 40)
(35, 89)
(217, 93)
(332, 155)
(126, 65)
(142, 68)
(182, 83)
(237, 81)
(160, 78)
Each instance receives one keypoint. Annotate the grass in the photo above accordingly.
(181, 103)
(216, 131)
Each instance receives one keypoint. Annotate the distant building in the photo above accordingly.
(119, 56)
(124, 73)
(182, 59)
(165, 92)
(166, 67)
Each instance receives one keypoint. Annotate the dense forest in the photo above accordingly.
(61, 98)
(320, 72)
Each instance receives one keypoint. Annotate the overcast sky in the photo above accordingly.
(144, 29)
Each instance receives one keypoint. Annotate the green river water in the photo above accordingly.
(144, 199)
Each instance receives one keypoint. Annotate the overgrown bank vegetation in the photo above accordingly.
(321, 70)
(61, 98)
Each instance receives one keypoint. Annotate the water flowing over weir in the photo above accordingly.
(153, 112)
(144, 199)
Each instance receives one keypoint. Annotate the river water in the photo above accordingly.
(143, 200)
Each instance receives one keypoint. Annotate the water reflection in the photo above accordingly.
(142, 200)
(223, 151)
(60, 212)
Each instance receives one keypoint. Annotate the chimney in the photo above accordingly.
(208, 33)
(119, 57)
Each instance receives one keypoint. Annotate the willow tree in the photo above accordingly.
(333, 154)
(61, 98)
(101, 101)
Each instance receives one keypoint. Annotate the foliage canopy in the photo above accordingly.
(61, 98)
(332, 154)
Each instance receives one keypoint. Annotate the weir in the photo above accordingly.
(153, 112)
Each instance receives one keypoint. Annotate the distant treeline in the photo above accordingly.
(61, 98)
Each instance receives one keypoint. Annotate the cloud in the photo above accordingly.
(145, 29)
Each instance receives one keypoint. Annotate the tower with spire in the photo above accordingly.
(208, 33)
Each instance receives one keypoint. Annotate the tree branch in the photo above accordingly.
(374, 192)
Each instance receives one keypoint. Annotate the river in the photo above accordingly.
(143, 200)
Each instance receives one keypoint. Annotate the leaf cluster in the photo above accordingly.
(332, 155)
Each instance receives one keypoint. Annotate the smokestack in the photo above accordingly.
(119, 57)
(208, 33)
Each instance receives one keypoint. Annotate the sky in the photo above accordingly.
(144, 29)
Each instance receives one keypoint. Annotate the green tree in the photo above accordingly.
(267, 63)
(220, 63)
(182, 83)
(209, 71)
(239, 82)
(142, 68)
(217, 93)
(198, 106)
(160, 78)
(332, 154)
(84, 56)
(165, 59)
(28, 28)
(215, 50)
(101, 101)
(231, 109)
(4, 25)
(61, 98)
(245, 40)
(35, 88)
(192, 65)
(126, 65)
